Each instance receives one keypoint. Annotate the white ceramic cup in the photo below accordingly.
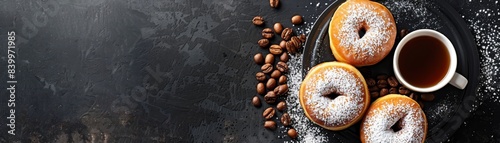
(451, 76)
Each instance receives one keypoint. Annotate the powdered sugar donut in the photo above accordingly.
(370, 17)
(394, 118)
(349, 90)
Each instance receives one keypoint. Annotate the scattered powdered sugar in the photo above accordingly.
(341, 110)
(415, 11)
(305, 128)
(378, 34)
(379, 121)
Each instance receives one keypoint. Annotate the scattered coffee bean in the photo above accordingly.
(382, 77)
(284, 57)
(258, 58)
(427, 96)
(296, 19)
(274, 3)
(278, 28)
(292, 133)
(263, 43)
(281, 89)
(374, 94)
(393, 82)
(283, 44)
(282, 79)
(371, 82)
(393, 90)
(275, 49)
(373, 89)
(403, 32)
(261, 88)
(382, 83)
(285, 119)
(258, 20)
(403, 90)
(260, 76)
(270, 97)
(269, 59)
(271, 83)
(302, 38)
(383, 92)
(282, 66)
(270, 125)
(297, 44)
(290, 47)
(276, 74)
(256, 101)
(268, 113)
(267, 68)
(414, 96)
(286, 34)
(281, 106)
(267, 33)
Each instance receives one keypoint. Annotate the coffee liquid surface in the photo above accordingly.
(424, 61)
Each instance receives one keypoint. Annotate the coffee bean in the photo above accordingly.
(403, 32)
(302, 38)
(374, 89)
(296, 42)
(258, 20)
(256, 101)
(383, 92)
(267, 33)
(290, 47)
(276, 74)
(258, 58)
(274, 3)
(292, 133)
(268, 113)
(427, 96)
(283, 44)
(382, 83)
(275, 49)
(284, 57)
(393, 90)
(382, 77)
(261, 88)
(393, 82)
(371, 82)
(271, 83)
(263, 43)
(296, 19)
(285, 119)
(374, 94)
(281, 89)
(269, 59)
(278, 28)
(271, 125)
(260, 76)
(281, 106)
(266, 68)
(414, 96)
(270, 97)
(403, 90)
(282, 66)
(286, 34)
(282, 79)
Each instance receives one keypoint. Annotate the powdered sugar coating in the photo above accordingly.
(379, 33)
(341, 110)
(378, 122)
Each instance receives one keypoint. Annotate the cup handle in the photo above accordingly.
(459, 81)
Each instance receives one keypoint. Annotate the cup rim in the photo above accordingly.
(449, 47)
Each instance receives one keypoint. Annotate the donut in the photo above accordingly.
(390, 112)
(334, 95)
(353, 17)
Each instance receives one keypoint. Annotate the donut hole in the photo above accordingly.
(333, 95)
(361, 32)
(397, 126)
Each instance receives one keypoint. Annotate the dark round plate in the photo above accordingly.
(451, 106)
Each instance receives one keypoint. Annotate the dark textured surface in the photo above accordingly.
(157, 71)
